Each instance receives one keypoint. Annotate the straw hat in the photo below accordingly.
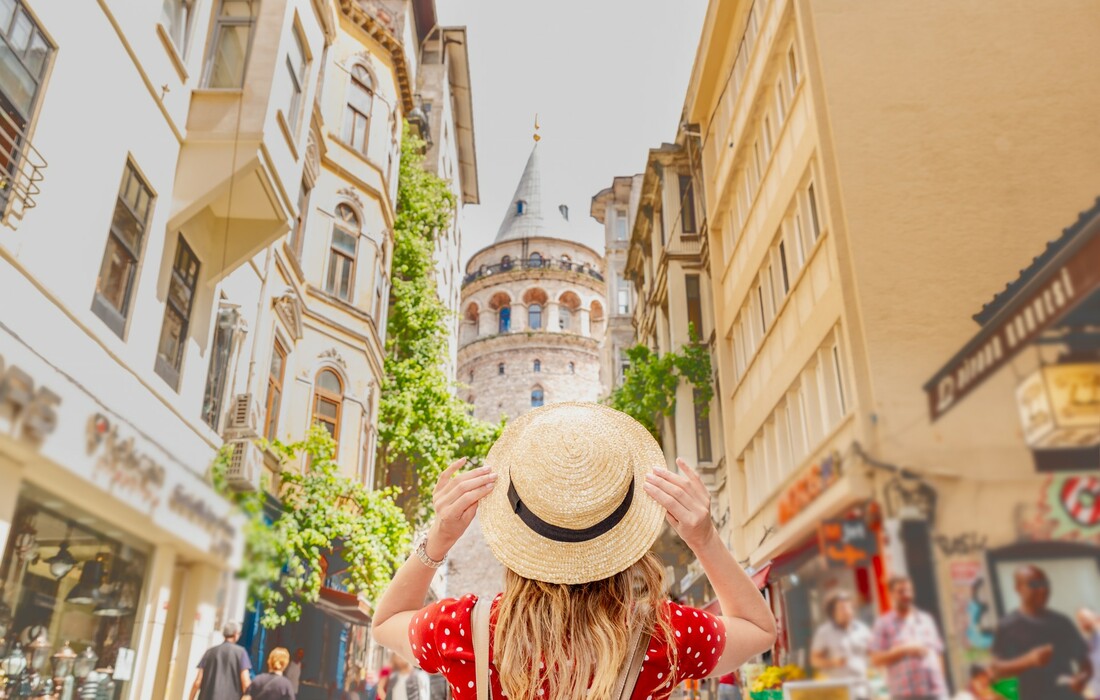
(568, 506)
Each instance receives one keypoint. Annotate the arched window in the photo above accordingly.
(328, 398)
(538, 366)
(358, 110)
(500, 368)
(521, 207)
(565, 318)
(534, 316)
(572, 368)
(341, 266)
(535, 260)
(537, 397)
(506, 262)
(504, 319)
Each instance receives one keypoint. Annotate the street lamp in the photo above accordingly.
(39, 653)
(13, 666)
(84, 664)
(63, 662)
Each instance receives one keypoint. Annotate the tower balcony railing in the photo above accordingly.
(532, 264)
(21, 169)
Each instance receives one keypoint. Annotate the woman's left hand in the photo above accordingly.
(687, 501)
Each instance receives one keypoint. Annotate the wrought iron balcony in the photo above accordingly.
(532, 264)
(22, 167)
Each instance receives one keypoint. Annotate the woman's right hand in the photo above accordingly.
(455, 499)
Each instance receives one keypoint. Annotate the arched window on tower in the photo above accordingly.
(534, 316)
(538, 366)
(565, 318)
(535, 260)
(572, 368)
(537, 397)
(504, 319)
(500, 368)
(521, 207)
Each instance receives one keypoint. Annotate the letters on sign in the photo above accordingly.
(847, 542)
(128, 468)
(807, 487)
(30, 411)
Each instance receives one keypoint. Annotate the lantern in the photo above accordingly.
(15, 662)
(63, 661)
(85, 663)
(1060, 406)
(39, 653)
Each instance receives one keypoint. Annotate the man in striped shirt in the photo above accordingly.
(906, 642)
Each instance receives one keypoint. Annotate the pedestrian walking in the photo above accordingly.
(407, 682)
(906, 642)
(224, 669)
(294, 669)
(1090, 628)
(273, 685)
(1039, 646)
(570, 499)
(842, 643)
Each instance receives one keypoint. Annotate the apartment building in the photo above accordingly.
(201, 256)
(871, 173)
(612, 207)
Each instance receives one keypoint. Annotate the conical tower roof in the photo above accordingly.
(526, 217)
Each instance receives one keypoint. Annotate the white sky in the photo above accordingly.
(606, 77)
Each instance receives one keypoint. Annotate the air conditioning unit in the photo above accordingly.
(243, 419)
(245, 466)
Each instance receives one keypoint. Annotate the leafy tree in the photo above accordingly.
(322, 511)
(648, 390)
(423, 426)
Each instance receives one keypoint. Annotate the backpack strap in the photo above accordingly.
(632, 667)
(480, 634)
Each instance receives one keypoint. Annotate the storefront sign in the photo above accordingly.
(807, 487)
(962, 544)
(29, 411)
(196, 510)
(127, 468)
(1009, 332)
(1060, 406)
(847, 543)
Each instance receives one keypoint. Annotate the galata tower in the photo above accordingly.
(533, 319)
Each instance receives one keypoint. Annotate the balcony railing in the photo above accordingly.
(532, 264)
(21, 167)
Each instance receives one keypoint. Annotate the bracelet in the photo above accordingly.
(422, 555)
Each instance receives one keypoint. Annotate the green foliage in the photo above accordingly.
(322, 511)
(423, 426)
(648, 390)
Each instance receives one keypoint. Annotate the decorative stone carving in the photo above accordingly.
(288, 307)
(351, 194)
(335, 356)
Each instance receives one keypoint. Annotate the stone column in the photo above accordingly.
(149, 627)
(553, 316)
(519, 316)
(486, 322)
(197, 632)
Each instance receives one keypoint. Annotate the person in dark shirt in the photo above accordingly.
(1040, 647)
(272, 685)
(224, 669)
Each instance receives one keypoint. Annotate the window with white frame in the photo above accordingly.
(176, 19)
(342, 253)
(357, 112)
(230, 43)
(125, 239)
(182, 285)
(620, 225)
(297, 66)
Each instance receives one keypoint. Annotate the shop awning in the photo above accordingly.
(345, 606)
(1051, 292)
(760, 576)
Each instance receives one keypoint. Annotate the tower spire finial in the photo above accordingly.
(536, 136)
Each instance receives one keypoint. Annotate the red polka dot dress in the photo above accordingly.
(440, 638)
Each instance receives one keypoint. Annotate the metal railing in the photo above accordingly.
(21, 167)
(532, 264)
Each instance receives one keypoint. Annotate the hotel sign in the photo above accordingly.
(1015, 327)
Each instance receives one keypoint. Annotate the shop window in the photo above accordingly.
(177, 313)
(230, 44)
(342, 253)
(126, 236)
(274, 397)
(66, 578)
(221, 349)
(328, 400)
(357, 112)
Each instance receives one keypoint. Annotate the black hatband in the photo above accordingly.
(564, 534)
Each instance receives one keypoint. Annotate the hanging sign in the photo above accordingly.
(847, 542)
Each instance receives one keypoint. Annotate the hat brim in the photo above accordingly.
(534, 556)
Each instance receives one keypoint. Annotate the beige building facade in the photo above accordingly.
(614, 208)
(869, 181)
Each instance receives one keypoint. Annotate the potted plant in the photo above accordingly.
(769, 684)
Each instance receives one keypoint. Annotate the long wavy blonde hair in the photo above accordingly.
(575, 638)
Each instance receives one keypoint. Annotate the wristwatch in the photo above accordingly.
(422, 554)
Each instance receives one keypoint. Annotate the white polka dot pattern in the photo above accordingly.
(699, 647)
